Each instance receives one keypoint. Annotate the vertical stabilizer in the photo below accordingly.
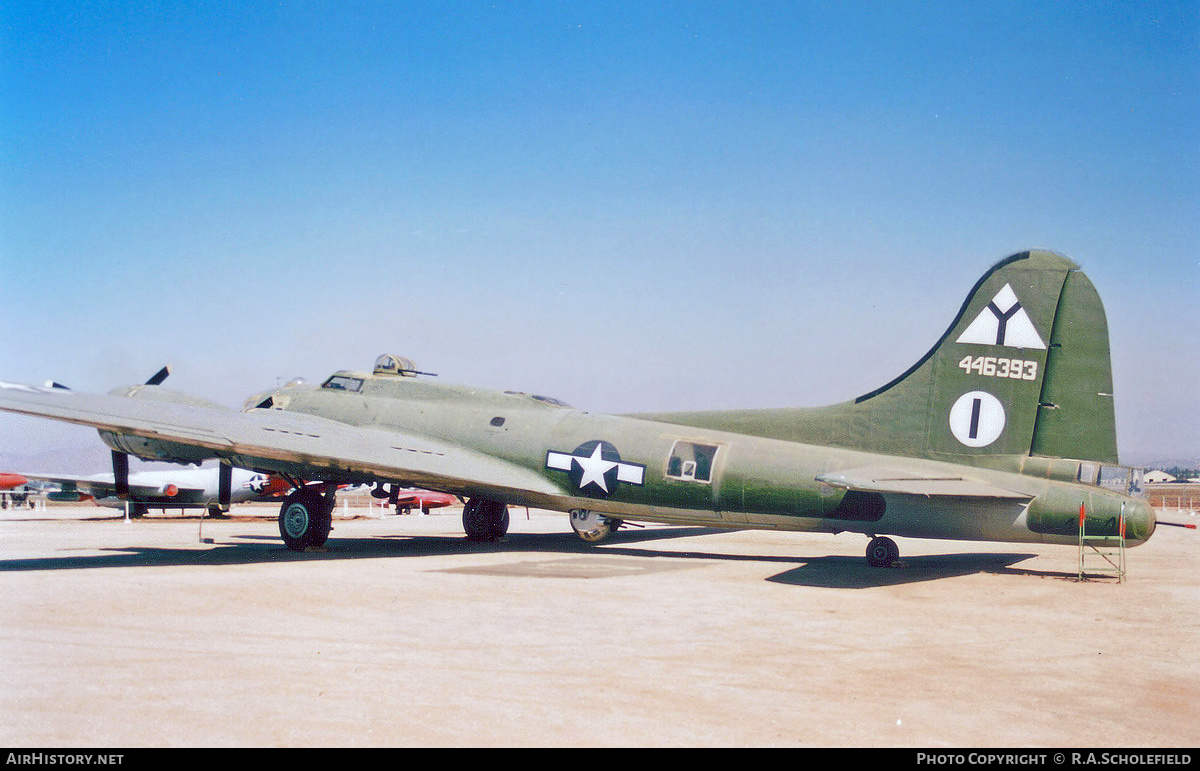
(1023, 369)
(977, 390)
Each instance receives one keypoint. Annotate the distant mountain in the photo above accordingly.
(67, 460)
(75, 461)
(1165, 463)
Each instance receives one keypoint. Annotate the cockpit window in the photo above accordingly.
(343, 383)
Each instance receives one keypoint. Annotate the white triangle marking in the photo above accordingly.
(1003, 322)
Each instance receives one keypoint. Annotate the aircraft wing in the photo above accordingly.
(312, 446)
(902, 482)
(105, 487)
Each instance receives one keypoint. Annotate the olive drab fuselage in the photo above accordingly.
(638, 469)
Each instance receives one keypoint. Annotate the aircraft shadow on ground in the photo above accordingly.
(842, 572)
(831, 572)
(257, 549)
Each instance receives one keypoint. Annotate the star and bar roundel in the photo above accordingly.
(596, 469)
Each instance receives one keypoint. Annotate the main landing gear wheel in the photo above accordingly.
(305, 519)
(485, 520)
(882, 552)
(592, 526)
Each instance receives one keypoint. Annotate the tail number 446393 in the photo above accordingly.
(992, 366)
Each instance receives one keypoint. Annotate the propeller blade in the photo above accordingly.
(159, 376)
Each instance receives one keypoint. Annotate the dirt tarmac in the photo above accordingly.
(173, 631)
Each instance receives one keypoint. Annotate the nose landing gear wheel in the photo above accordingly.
(882, 552)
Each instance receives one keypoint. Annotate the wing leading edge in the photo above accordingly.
(273, 439)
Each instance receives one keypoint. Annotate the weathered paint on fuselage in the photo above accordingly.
(753, 481)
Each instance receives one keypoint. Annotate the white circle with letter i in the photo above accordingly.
(977, 419)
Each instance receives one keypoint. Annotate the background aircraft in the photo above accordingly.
(13, 490)
(10, 481)
(1002, 431)
(184, 488)
(404, 500)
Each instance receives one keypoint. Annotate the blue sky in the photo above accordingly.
(630, 206)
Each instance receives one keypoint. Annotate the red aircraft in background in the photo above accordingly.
(406, 499)
(13, 491)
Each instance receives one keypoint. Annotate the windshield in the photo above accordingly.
(343, 383)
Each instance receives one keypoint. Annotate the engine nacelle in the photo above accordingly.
(154, 449)
(158, 449)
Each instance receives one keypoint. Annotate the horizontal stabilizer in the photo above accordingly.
(897, 482)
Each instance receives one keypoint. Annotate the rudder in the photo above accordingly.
(1076, 413)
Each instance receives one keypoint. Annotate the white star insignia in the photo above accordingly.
(594, 468)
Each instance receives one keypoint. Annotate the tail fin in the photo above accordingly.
(1023, 370)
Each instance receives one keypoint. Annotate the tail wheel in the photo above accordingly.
(305, 519)
(591, 526)
(485, 520)
(882, 552)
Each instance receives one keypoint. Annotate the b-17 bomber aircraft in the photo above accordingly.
(1003, 431)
